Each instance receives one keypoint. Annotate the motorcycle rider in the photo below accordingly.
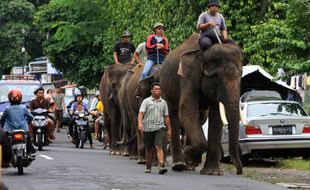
(100, 109)
(17, 116)
(41, 102)
(93, 109)
(79, 108)
(78, 98)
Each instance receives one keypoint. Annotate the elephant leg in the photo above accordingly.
(212, 164)
(176, 150)
(115, 131)
(189, 115)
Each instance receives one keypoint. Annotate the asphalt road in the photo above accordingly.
(61, 166)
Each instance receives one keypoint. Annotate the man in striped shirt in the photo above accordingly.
(154, 122)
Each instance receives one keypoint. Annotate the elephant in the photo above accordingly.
(109, 88)
(133, 109)
(194, 83)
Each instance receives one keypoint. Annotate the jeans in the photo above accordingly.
(147, 68)
(206, 42)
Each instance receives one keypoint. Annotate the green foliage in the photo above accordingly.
(15, 24)
(282, 39)
(79, 35)
(74, 41)
(307, 108)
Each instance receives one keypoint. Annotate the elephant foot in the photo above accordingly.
(141, 161)
(211, 171)
(178, 166)
(126, 154)
(133, 157)
(190, 168)
(117, 153)
(112, 153)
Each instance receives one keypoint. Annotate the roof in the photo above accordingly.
(19, 82)
(255, 77)
(247, 70)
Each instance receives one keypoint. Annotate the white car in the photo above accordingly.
(271, 128)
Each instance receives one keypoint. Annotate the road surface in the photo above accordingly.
(61, 166)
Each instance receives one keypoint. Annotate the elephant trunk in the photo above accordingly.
(232, 111)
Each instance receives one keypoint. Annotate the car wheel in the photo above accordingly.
(244, 157)
(224, 159)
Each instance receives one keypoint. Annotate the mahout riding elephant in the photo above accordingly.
(109, 88)
(194, 83)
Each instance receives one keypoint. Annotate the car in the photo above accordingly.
(26, 84)
(271, 128)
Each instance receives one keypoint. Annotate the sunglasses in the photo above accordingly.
(160, 28)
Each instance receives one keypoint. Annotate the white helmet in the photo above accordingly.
(97, 93)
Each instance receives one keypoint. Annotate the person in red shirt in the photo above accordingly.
(157, 47)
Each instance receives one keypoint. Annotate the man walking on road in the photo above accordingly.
(60, 107)
(154, 122)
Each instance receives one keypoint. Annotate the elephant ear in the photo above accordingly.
(190, 66)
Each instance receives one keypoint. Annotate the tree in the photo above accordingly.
(74, 41)
(15, 21)
(81, 34)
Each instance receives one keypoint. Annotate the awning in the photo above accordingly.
(254, 77)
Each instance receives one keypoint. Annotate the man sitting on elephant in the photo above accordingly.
(124, 50)
(212, 24)
(157, 47)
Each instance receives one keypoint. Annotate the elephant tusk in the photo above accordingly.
(223, 114)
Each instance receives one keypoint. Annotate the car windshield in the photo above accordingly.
(27, 91)
(275, 109)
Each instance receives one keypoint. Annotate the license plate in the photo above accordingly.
(282, 130)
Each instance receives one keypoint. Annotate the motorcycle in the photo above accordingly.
(40, 132)
(80, 129)
(102, 132)
(20, 158)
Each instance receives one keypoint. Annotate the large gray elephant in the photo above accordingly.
(109, 88)
(194, 83)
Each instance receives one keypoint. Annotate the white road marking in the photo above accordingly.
(46, 157)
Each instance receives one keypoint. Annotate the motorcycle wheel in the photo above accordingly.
(20, 166)
(46, 138)
(77, 143)
(40, 142)
(82, 140)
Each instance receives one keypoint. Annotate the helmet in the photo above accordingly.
(158, 24)
(97, 93)
(126, 33)
(213, 2)
(78, 94)
(15, 96)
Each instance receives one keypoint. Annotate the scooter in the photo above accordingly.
(80, 129)
(40, 132)
(20, 158)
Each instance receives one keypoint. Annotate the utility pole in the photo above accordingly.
(23, 50)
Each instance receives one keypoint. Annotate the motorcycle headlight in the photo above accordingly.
(81, 114)
(36, 122)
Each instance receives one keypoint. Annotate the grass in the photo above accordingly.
(295, 164)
